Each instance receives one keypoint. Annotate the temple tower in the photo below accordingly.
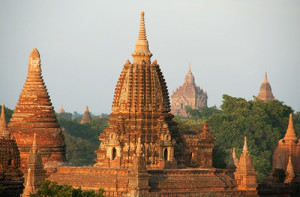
(140, 110)
(61, 110)
(265, 92)
(38, 174)
(34, 113)
(232, 164)
(86, 116)
(189, 94)
(245, 174)
(288, 148)
(11, 177)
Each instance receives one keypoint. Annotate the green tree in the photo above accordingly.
(52, 189)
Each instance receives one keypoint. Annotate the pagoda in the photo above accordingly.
(265, 92)
(245, 174)
(34, 113)
(11, 177)
(86, 116)
(61, 110)
(288, 149)
(140, 109)
(189, 94)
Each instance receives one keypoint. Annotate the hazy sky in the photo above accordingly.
(84, 45)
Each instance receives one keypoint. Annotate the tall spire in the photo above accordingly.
(142, 47)
(290, 132)
(245, 148)
(28, 188)
(266, 77)
(190, 70)
(4, 132)
(189, 78)
(61, 110)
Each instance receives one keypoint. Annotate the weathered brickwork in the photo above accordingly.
(34, 114)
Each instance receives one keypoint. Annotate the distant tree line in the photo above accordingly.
(264, 124)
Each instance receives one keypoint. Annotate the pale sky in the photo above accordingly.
(84, 45)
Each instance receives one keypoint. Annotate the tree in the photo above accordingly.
(52, 189)
(264, 124)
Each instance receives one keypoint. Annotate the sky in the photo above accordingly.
(84, 45)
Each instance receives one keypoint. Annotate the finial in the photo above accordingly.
(142, 32)
(205, 127)
(190, 70)
(266, 77)
(86, 109)
(245, 148)
(34, 53)
(34, 61)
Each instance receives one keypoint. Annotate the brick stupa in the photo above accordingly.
(189, 94)
(288, 147)
(265, 92)
(141, 109)
(34, 114)
(86, 116)
(245, 174)
(11, 177)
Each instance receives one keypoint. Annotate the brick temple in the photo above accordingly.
(143, 154)
(86, 116)
(265, 92)
(189, 94)
(34, 114)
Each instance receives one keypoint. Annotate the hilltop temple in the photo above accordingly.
(143, 154)
(189, 94)
(34, 113)
(265, 92)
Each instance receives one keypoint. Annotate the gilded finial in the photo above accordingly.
(266, 77)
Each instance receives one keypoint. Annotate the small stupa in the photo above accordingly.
(61, 110)
(86, 116)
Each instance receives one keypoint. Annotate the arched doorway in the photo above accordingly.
(114, 153)
(166, 154)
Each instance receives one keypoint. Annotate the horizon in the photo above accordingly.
(84, 46)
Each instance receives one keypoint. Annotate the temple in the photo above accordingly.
(61, 110)
(86, 116)
(265, 92)
(11, 177)
(34, 113)
(189, 94)
(143, 154)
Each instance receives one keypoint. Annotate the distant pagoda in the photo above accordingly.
(141, 109)
(61, 110)
(86, 116)
(11, 177)
(189, 94)
(265, 92)
(34, 113)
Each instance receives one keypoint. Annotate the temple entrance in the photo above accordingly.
(166, 154)
(114, 153)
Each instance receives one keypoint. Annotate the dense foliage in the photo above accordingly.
(52, 189)
(262, 123)
(81, 139)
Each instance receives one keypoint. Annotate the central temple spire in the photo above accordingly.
(142, 47)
